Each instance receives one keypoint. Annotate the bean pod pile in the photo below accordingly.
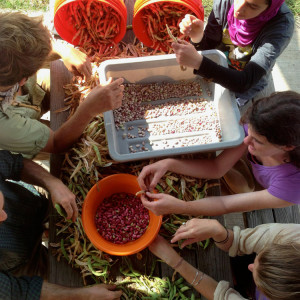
(121, 218)
(97, 24)
(157, 15)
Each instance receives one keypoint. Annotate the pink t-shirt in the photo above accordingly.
(282, 181)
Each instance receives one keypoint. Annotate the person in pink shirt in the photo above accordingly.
(272, 127)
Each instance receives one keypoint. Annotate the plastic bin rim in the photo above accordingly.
(159, 57)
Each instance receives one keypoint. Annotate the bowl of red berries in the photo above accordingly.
(114, 218)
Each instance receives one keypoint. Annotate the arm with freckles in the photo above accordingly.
(213, 206)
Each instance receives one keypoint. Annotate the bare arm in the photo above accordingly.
(161, 248)
(213, 206)
(100, 99)
(100, 291)
(199, 168)
(34, 174)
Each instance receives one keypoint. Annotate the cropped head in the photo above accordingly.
(25, 44)
(277, 271)
(246, 18)
(277, 118)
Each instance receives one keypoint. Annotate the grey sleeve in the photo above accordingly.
(273, 39)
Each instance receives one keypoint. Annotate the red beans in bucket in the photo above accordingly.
(121, 218)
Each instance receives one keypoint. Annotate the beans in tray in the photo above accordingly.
(174, 110)
(121, 218)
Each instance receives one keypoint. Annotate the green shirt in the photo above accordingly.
(21, 131)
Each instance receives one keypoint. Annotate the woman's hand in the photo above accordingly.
(187, 55)
(196, 230)
(165, 204)
(151, 174)
(192, 27)
(162, 249)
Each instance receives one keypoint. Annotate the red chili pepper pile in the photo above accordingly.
(97, 24)
(122, 218)
(157, 15)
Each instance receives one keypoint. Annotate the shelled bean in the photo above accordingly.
(121, 218)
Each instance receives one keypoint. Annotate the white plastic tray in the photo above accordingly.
(164, 68)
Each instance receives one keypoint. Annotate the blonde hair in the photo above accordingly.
(25, 44)
(277, 274)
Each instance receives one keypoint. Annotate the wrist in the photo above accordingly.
(197, 40)
(221, 234)
(174, 261)
(198, 62)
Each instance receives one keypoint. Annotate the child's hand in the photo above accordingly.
(192, 27)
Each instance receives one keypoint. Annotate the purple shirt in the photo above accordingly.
(282, 181)
(259, 295)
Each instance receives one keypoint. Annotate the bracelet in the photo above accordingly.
(179, 263)
(201, 277)
(225, 240)
(197, 273)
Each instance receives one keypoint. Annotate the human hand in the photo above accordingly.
(104, 97)
(151, 174)
(165, 204)
(102, 291)
(61, 195)
(162, 249)
(187, 55)
(77, 62)
(192, 27)
(196, 230)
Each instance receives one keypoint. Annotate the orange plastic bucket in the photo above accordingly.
(151, 16)
(118, 183)
(93, 17)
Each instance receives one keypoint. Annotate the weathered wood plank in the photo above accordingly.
(59, 272)
(254, 218)
(287, 215)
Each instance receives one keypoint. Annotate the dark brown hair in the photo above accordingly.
(25, 44)
(277, 118)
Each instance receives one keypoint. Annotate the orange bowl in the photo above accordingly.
(118, 183)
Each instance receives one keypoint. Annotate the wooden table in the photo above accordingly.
(212, 261)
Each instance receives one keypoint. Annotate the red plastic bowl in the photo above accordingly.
(118, 183)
